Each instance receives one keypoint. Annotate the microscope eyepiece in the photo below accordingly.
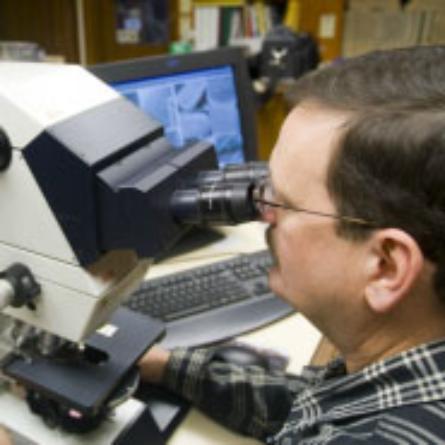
(220, 197)
(221, 203)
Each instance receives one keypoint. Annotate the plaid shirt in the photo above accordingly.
(400, 400)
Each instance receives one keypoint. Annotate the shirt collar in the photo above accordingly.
(414, 376)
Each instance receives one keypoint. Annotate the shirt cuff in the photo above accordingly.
(184, 369)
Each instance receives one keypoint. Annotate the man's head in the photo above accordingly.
(366, 140)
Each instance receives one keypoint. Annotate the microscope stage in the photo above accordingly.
(86, 386)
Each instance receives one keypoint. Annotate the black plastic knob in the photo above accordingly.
(5, 151)
(25, 286)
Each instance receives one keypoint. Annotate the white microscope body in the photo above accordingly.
(73, 302)
(84, 208)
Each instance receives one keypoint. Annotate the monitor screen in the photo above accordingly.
(197, 96)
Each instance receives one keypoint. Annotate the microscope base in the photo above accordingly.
(119, 429)
(87, 387)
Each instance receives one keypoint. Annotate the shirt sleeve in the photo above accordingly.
(246, 399)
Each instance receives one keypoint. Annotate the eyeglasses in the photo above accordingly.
(264, 200)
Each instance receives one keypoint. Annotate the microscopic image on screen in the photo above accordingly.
(193, 106)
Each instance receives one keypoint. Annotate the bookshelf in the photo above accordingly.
(85, 31)
(245, 22)
(233, 22)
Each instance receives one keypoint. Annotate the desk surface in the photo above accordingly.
(292, 336)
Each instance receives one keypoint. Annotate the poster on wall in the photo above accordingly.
(142, 22)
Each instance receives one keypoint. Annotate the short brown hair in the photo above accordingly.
(407, 78)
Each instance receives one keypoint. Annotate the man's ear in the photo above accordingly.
(394, 263)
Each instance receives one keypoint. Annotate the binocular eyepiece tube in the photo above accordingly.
(220, 197)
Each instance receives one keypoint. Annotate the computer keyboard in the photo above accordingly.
(213, 302)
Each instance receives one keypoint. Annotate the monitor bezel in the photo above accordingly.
(155, 66)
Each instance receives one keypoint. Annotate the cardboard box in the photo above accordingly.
(323, 20)
(425, 5)
(374, 5)
(373, 30)
(433, 31)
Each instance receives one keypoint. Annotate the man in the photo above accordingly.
(356, 214)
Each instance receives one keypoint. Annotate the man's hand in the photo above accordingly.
(152, 364)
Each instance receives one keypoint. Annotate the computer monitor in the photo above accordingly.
(203, 95)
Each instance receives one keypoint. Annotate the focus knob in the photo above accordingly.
(5, 151)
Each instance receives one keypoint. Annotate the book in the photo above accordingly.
(206, 33)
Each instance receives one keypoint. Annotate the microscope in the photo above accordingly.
(91, 192)
(86, 181)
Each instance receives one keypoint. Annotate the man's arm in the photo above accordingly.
(153, 363)
(246, 399)
(4, 437)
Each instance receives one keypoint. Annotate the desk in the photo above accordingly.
(293, 336)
